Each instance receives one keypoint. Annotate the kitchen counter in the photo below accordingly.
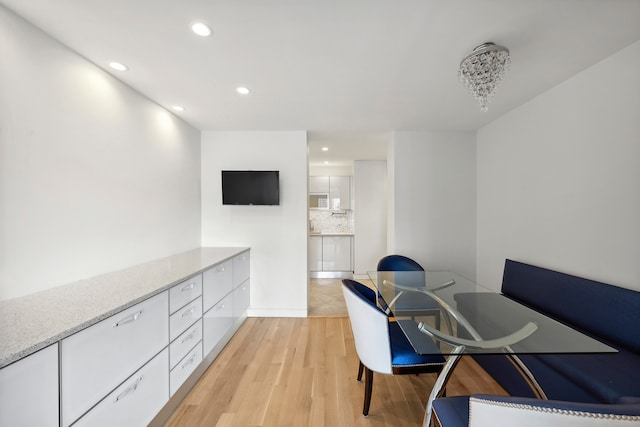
(312, 233)
(32, 322)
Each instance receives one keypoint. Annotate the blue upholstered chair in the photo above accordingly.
(508, 411)
(418, 304)
(381, 345)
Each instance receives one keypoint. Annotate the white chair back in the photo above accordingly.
(370, 327)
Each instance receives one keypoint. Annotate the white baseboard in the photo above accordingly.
(276, 313)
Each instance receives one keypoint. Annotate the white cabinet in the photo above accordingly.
(337, 187)
(226, 293)
(315, 253)
(179, 348)
(137, 401)
(216, 283)
(184, 368)
(319, 184)
(340, 190)
(97, 359)
(336, 253)
(241, 300)
(216, 322)
(29, 390)
(122, 370)
(185, 317)
(185, 292)
(240, 269)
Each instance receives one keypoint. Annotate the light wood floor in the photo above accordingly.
(302, 372)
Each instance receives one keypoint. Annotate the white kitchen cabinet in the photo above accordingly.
(319, 184)
(240, 269)
(179, 348)
(315, 253)
(185, 292)
(216, 323)
(29, 390)
(137, 401)
(337, 187)
(216, 283)
(340, 189)
(97, 359)
(241, 300)
(184, 368)
(336, 253)
(123, 369)
(185, 317)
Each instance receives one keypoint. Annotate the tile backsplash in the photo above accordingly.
(326, 221)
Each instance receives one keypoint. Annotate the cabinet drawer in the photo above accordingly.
(184, 368)
(29, 390)
(241, 299)
(185, 342)
(95, 360)
(137, 401)
(216, 283)
(216, 322)
(185, 317)
(182, 293)
(241, 267)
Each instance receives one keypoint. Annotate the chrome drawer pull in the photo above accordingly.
(188, 337)
(188, 312)
(220, 269)
(188, 287)
(129, 319)
(133, 387)
(188, 362)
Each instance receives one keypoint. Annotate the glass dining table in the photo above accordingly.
(464, 318)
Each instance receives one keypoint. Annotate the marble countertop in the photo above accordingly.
(32, 322)
(313, 233)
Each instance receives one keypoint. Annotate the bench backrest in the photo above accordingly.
(602, 310)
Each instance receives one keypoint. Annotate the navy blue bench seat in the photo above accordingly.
(608, 313)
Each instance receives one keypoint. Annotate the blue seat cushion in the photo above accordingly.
(555, 386)
(452, 411)
(608, 377)
(403, 354)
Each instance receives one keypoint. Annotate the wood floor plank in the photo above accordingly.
(302, 372)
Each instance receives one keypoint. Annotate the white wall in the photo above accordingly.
(370, 214)
(277, 235)
(337, 170)
(93, 176)
(559, 178)
(433, 194)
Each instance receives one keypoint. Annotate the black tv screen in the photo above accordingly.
(250, 187)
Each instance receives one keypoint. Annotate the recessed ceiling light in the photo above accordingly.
(326, 163)
(118, 66)
(325, 148)
(201, 29)
(243, 90)
(178, 108)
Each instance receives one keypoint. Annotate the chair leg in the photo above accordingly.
(368, 386)
(360, 369)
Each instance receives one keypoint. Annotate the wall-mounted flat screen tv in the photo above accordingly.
(241, 187)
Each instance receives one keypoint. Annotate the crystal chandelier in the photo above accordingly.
(482, 71)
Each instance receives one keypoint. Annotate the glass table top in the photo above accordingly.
(458, 312)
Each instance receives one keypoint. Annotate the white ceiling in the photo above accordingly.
(347, 71)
